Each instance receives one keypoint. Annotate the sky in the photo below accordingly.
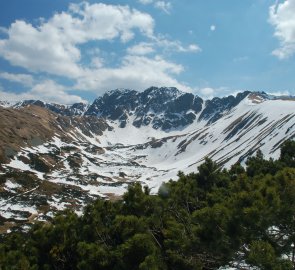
(68, 51)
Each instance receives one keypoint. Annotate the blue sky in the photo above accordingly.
(71, 51)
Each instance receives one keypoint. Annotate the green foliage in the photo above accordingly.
(92, 256)
(204, 220)
(288, 153)
(263, 255)
(133, 253)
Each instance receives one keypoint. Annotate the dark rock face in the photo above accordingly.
(215, 107)
(76, 109)
(114, 104)
(89, 125)
(164, 108)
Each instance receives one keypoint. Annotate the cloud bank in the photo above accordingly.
(281, 16)
(53, 48)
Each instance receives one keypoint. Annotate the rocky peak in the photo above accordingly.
(167, 108)
(163, 108)
(76, 109)
(162, 92)
(216, 107)
(159, 100)
(113, 104)
(68, 110)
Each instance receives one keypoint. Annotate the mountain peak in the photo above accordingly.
(68, 110)
(163, 108)
(119, 91)
(169, 91)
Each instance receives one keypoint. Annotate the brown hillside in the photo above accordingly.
(33, 125)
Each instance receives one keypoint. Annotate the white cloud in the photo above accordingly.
(52, 92)
(40, 50)
(280, 93)
(207, 92)
(164, 6)
(52, 46)
(55, 47)
(97, 62)
(175, 45)
(47, 91)
(193, 48)
(281, 16)
(142, 48)
(136, 72)
(161, 43)
(213, 28)
(103, 22)
(222, 91)
(24, 79)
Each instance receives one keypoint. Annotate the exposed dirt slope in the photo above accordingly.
(33, 125)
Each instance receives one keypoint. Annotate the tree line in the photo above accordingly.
(205, 220)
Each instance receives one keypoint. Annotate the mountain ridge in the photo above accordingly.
(172, 107)
(64, 161)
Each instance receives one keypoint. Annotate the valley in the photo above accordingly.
(56, 157)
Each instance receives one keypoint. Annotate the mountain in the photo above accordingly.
(161, 108)
(68, 110)
(34, 125)
(63, 156)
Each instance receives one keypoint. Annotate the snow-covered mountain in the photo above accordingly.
(56, 156)
(68, 110)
